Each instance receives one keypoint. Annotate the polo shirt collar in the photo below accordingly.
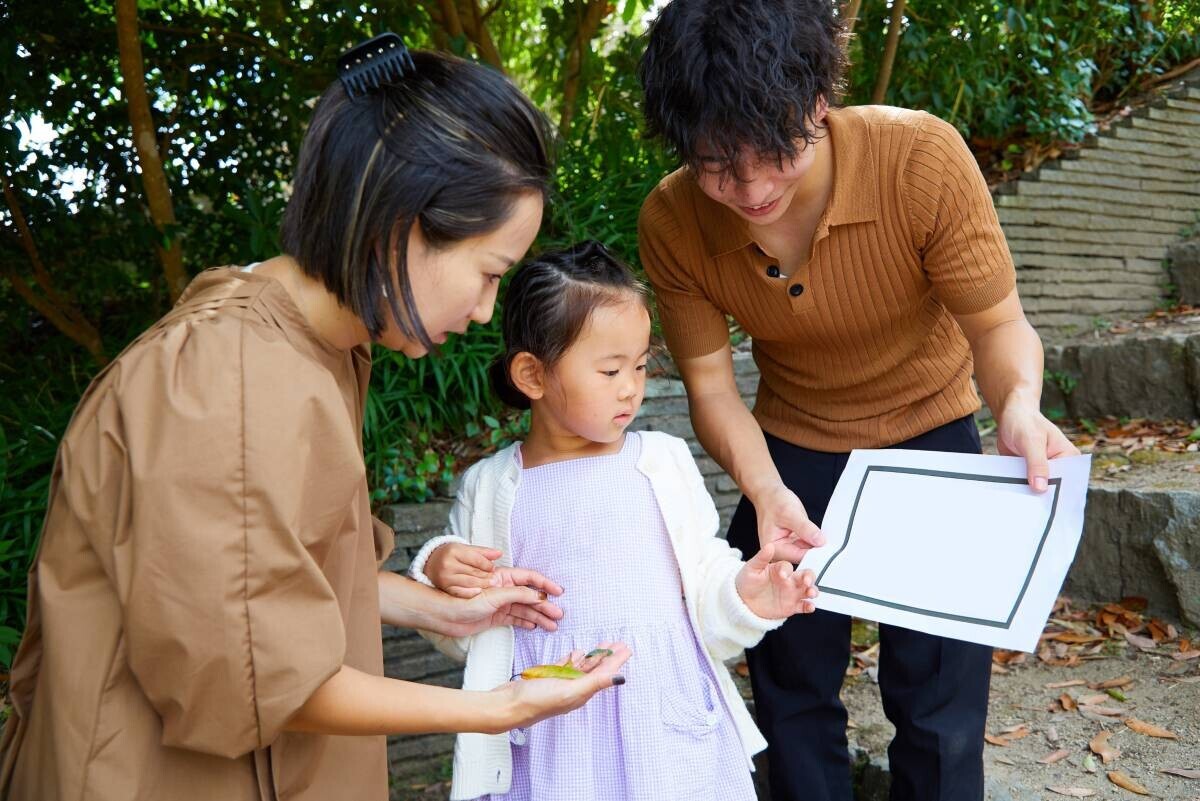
(854, 199)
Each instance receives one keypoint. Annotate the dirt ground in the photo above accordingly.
(1025, 702)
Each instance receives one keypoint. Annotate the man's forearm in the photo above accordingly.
(731, 435)
(1009, 363)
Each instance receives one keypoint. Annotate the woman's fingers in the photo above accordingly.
(505, 576)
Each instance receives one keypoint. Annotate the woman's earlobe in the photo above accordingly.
(527, 375)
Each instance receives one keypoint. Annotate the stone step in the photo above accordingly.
(1053, 205)
(1141, 536)
(1154, 373)
(1121, 154)
(1184, 156)
(1062, 246)
(1114, 220)
(1184, 267)
(1100, 237)
(1100, 183)
(1121, 167)
(1070, 262)
(1173, 114)
(1077, 190)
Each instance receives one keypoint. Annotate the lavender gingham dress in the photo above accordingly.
(593, 525)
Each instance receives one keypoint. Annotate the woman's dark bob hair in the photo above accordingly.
(548, 303)
(719, 75)
(449, 147)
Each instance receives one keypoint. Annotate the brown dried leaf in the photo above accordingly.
(1134, 603)
(1149, 729)
(1068, 703)
(1184, 772)
(1005, 761)
(1072, 638)
(742, 669)
(1140, 642)
(1100, 747)
(1184, 656)
(994, 740)
(1057, 756)
(1109, 684)
(1072, 792)
(1018, 733)
(1108, 711)
(1121, 780)
(1058, 685)
(1088, 700)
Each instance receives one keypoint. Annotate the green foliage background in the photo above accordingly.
(231, 83)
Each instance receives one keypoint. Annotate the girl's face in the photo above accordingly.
(766, 187)
(596, 388)
(456, 285)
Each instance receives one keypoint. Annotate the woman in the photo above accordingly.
(860, 250)
(204, 613)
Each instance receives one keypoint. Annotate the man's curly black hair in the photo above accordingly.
(726, 74)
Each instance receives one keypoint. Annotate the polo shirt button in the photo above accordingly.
(796, 290)
(773, 271)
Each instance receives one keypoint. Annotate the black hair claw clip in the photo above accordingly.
(373, 63)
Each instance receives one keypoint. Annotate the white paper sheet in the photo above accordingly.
(950, 544)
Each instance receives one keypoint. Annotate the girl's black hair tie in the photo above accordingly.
(379, 60)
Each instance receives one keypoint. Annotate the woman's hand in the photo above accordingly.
(783, 523)
(775, 590)
(466, 570)
(1024, 431)
(528, 701)
(522, 607)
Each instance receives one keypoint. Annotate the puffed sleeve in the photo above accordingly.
(242, 465)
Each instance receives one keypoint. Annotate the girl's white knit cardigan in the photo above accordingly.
(707, 564)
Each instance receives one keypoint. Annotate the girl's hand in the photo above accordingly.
(522, 607)
(464, 571)
(775, 590)
(528, 701)
(1025, 431)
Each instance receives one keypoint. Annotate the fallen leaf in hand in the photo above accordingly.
(1149, 729)
(1072, 792)
(1121, 780)
(1102, 749)
(1057, 756)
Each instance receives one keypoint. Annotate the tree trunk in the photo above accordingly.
(587, 24)
(850, 15)
(154, 179)
(475, 25)
(889, 52)
(62, 313)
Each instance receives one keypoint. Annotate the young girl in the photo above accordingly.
(624, 523)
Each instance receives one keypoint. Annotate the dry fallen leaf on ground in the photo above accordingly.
(1121, 780)
(1068, 703)
(1110, 684)
(1143, 643)
(1058, 685)
(1102, 749)
(1184, 772)
(1057, 756)
(1088, 700)
(1073, 792)
(1000, 741)
(1149, 729)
